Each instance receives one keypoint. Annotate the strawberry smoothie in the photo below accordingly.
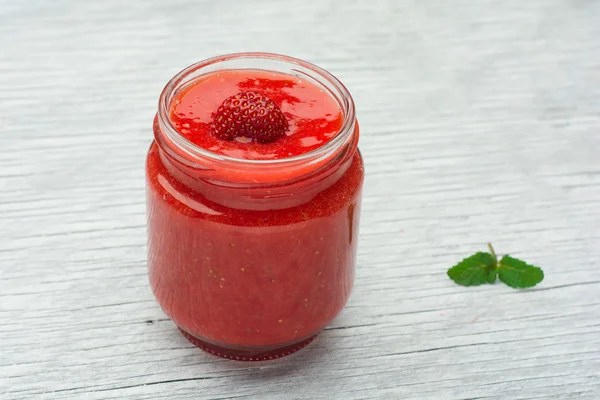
(253, 193)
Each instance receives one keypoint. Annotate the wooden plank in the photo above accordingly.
(479, 123)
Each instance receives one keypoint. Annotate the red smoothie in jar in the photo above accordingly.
(252, 243)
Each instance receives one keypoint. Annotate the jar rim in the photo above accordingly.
(342, 97)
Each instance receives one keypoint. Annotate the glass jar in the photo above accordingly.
(252, 258)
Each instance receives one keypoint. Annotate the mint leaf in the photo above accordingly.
(476, 270)
(518, 274)
(492, 273)
(483, 268)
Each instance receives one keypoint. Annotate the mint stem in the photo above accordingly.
(493, 252)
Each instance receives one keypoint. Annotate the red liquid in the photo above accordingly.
(260, 281)
(313, 115)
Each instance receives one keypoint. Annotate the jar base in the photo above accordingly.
(262, 353)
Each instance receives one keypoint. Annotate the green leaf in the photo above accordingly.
(518, 274)
(492, 273)
(476, 270)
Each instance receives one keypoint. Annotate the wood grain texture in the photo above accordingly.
(479, 122)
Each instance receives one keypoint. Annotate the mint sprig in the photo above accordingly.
(483, 268)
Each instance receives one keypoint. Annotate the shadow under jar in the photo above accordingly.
(252, 258)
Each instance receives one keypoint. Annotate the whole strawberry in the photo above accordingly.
(251, 115)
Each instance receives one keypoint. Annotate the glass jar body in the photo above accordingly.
(252, 283)
(252, 258)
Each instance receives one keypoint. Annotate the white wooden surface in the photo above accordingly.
(480, 123)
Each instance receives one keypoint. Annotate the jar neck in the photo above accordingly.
(255, 183)
(292, 186)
